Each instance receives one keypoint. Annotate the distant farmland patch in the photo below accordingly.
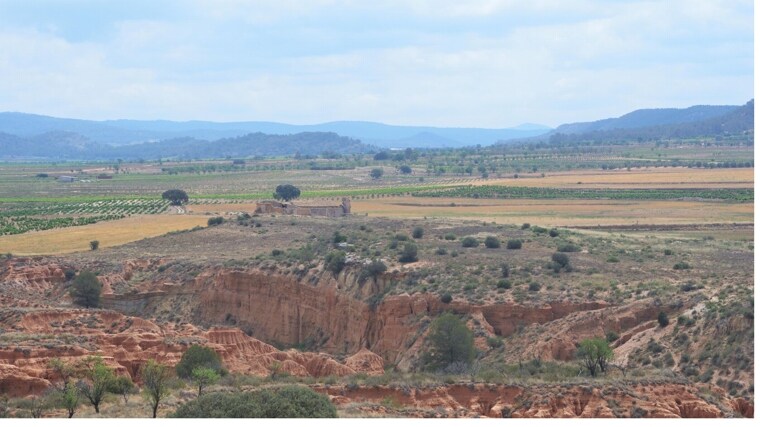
(502, 192)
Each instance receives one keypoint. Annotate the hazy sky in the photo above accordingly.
(487, 63)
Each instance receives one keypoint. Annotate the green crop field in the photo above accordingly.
(503, 192)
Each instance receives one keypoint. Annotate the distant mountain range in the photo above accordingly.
(122, 132)
(73, 146)
(29, 136)
(699, 120)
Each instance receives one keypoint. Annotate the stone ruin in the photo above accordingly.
(275, 207)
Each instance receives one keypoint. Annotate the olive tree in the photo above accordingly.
(98, 379)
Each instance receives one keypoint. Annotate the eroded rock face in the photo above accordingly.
(126, 343)
(622, 400)
(320, 311)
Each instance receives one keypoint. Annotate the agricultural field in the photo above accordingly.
(502, 192)
(108, 233)
(560, 212)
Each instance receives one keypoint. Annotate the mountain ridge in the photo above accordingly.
(126, 131)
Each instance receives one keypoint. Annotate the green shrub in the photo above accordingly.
(418, 232)
(198, 357)
(284, 402)
(503, 284)
(277, 252)
(335, 261)
(85, 290)
(409, 254)
(568, 247)
(217, 220)
(668, 252)
(553, 232)
(339, 238)
(662, 319)
(562, 259)
(94, 245)
(534, 287)
(450, 236)
(446, 298)
(441, 251)
(504, 270)
(450, 342)
(525, 226)
(492, 242)
(374, 268)
(495, 342)
(514, 244)
(538, 230)
(681, 265)
(470, 242)
(612, 336)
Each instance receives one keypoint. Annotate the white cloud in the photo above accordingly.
(456, 63)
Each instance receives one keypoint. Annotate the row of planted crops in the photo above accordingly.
(505, 192)
(18, 218)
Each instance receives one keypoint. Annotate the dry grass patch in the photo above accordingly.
(559, 212)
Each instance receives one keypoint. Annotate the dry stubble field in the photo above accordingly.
(560, 213)
(111, 233)
(636, 178)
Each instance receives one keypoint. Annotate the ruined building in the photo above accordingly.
(275, 207)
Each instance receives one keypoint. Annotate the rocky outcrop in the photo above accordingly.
(322, 311)
(621, 400)
(366, 361)
(126, 343)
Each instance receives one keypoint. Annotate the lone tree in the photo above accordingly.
(68, 399)
(286, 192)
(595, 355)
(198, 356)
(204, 377)
(376, 173)
(98, 380)
(86, 289)
(451, 342)
(176, 197)
(405, 169)
(155, 377)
